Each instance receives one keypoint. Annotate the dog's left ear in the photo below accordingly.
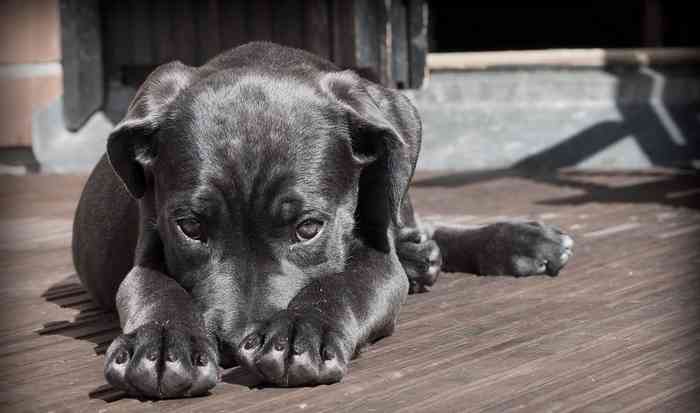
(385, 133)
(131, 145)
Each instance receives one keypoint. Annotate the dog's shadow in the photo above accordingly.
(91, 324)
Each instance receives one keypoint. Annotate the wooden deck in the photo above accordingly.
(617, 331)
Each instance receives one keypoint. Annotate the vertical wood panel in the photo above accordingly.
(418, 44)
(371, 41)
(384, 40)
(288, 22)
(184, 31)
(343, 33)
(142, 52)
(207, 30)
(117, 36)
(383, 11)
(260, 19)
(365, 22)
(162, 27)
(232, 23)
(317, 28)
(82, 61)
(399, 43)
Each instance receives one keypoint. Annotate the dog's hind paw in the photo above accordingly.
(162, 361)
(420, 257)
(524, 248)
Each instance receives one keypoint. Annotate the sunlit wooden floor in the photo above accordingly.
(617, 331)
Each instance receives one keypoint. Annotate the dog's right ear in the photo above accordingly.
(130, 146)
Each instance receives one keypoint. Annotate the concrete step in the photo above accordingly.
(545, 118)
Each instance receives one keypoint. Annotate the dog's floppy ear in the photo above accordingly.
(385, 130)
(130, 145)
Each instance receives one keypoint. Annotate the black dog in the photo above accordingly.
(254, 211)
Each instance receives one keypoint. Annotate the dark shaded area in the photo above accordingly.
(107, 393)
(19, 156)
(679, 189)
(91, 324)
(241, 377)
(81, 46)
(469, 26)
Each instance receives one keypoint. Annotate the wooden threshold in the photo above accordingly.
(574, 58)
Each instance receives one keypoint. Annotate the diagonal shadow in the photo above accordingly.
(91, 324)
(677, 189)
(659, 118)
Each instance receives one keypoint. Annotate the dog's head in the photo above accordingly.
(255, 183)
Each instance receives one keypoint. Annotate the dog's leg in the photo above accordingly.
(164, 350)
(328, 322)
(505, 248)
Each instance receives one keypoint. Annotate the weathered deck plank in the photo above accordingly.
(617, 331)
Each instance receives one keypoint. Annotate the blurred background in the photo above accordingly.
(533, 88)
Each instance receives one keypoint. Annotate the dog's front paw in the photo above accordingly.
(524, 248)
(420, 258)
(162, 361)
(295, 350)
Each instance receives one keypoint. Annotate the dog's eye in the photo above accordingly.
(308, 229)
(192, 228)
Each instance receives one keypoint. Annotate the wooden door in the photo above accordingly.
(384, 40)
